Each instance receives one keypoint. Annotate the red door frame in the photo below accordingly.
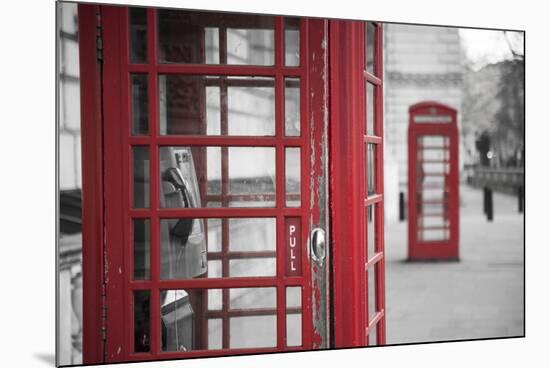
(345, 155)
(107, 322)
(444, 249)
(349, 199)
(92, 186)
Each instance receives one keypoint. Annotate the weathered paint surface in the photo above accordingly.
(318, 122)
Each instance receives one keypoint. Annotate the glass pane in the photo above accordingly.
(292, 107)
(186, 318)
(372, 336)
(250, 252)
(293, 182)
(198, 38)
(433, 141)
(432, 170)
(142, 335)
(371, 230)
(372, 291)
(215, 299)
(138, 35)
(253, 332)
(433, 234)
(293, 316)
(183, 248)
(371, 47)
(371, 170)
(292, 41)
(140, 104)
(214, 235)
(370, 109)
(244, 298)
(214, 269)
(250, 46)
(142, 246)
(252, 267)
(192, 177)
(215, 328)
(252, 234)
(251, 106)
(141, 177)
(212, 105)
(178, 310)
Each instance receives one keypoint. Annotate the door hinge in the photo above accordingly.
(99, 38)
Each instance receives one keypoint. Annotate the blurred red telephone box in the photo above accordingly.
(433, 182)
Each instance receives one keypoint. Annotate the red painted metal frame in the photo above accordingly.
(378, 260)
(348, 192)
(433, 250)
(349, 200)
(92, 185)
(346, 182)
(117, 194)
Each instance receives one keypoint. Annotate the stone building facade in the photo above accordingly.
(420, 63)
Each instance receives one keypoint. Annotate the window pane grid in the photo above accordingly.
(155, 214)
(373, 155)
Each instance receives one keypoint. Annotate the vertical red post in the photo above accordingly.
(346, 80)
(92, 184)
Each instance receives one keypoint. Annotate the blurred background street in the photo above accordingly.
(478, 297)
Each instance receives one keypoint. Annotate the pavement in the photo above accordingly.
(480, 296)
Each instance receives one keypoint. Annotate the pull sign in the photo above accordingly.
(293, 234)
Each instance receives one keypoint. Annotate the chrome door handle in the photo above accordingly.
(318, 245)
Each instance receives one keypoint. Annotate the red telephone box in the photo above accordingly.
(206, 157)
(433, 182)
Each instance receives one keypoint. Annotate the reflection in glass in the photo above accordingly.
(372, 337)
(142, 246)
(371, 169)
(142, 336)
(294, 316)
(253, 332)
(252, 267)
(215, 38)
(371, 275)
(183, 248)
(215, 269)
(177, 321)
(370, 109)
(140, 104)
(212, 105)
(371, 46)
(292, 177)
(371, 230)
(292, 41)
(250, 251)
(141, 177)
(215, 299)
(138, 35)
(188, 323)
(262, 297)
(215, 333)
(214, 234)
(250, 46)
(292, 107)
(251, 234)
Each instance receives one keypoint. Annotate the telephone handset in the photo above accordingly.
(183, 248)
(184, 255)
(182, 229)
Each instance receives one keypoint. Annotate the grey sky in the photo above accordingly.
(487, 46)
